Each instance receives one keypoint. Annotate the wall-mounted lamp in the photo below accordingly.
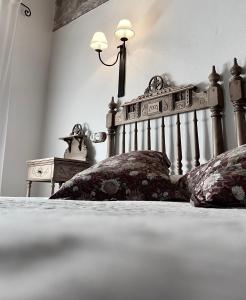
(99, 43)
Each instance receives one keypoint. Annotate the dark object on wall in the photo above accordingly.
(122, 68)
(26, 9)
(237, 95)
(99, 42)
(161, 100)
(68, 10)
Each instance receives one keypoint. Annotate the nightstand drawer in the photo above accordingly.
(67, 170)
(40, 172)
(64, 173)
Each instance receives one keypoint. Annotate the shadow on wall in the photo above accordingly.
(91, 154)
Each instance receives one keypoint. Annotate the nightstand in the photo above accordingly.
(53, 170)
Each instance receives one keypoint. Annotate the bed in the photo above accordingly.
(58, 249)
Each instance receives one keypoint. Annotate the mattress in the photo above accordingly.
(68, 250)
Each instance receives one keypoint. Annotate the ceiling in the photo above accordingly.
(69, 10)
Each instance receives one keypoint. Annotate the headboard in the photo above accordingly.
(162, 99)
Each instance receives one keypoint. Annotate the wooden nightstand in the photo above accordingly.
(53, 170)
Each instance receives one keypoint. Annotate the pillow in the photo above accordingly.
(138, 175)
(219, 183)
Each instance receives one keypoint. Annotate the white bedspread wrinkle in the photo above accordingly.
(81, 250)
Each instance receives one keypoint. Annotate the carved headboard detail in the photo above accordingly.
(161, 99)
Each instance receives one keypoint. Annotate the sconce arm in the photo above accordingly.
(108, 65)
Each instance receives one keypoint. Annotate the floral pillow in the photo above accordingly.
(138, 175)
(219, 183)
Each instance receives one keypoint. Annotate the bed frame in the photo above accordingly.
(161, 99)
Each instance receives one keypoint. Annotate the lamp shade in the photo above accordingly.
(124, 30)
(99, 41)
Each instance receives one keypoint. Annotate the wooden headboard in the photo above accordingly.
(162, 100)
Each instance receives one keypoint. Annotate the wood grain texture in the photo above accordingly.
(68, 10)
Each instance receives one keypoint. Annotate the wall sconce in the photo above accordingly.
(99, 43)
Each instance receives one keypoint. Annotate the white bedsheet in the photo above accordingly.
(67, 250)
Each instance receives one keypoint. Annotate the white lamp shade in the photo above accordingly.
(124, 30)
(99, 41)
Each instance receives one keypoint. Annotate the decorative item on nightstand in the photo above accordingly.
(77, 148)
(59, 170)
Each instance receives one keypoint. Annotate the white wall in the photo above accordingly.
(180, 38)
(28, 93)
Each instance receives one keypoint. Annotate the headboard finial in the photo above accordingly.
(110, 123)
(236, 70)
(214, 77)
(216, 100)
(112, 105)
(238, 99)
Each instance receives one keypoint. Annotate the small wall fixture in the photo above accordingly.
(27, 10)
(99, 43)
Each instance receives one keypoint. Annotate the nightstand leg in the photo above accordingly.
(29, 186)
(52, 188)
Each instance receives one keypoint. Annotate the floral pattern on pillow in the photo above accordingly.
(138, 175)
(219, 183)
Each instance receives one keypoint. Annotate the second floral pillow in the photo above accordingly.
(219, 183)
